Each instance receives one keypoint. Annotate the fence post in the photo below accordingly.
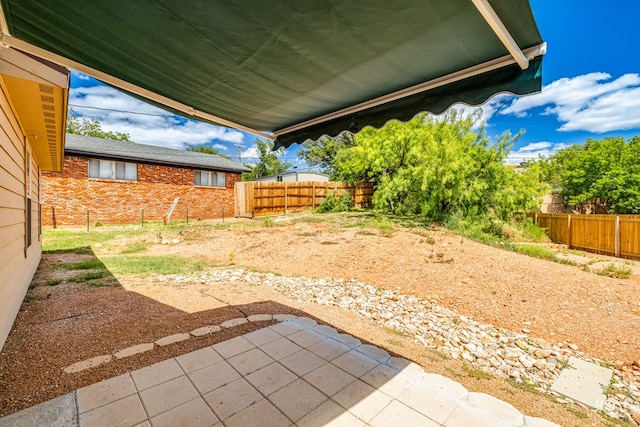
(187, 208)
(87, 220)
(569, 229)
(313, 195)
(142, 222)
(617, 247)
(285, 198)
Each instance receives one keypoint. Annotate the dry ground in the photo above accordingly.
(60, 325)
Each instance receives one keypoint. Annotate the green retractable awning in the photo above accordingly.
(294, 69)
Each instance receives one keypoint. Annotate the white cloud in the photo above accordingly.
(591, 102)
(489, 108)
(533, 150)
(79, 75)
(146, 124)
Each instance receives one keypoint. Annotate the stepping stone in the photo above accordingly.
(234, 322)
(172, 339)
(259, 317)
(205, 330)
(281, 317)
(86, 364)
(136, 349)
(583, 382)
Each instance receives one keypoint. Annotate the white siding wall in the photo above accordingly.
(17, 265)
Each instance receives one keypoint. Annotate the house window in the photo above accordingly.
(279, 178)
(211, 179)
(110, 169)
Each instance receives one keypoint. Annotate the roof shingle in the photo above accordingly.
(88, 146)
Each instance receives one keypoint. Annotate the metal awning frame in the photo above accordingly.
(516, 55)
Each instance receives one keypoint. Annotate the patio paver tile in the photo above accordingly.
(388, 380)
(330, 414)
(125, 412)
(250, 361)
(260, 414)
(156, 374)
(232, 398)
(104, 392)
(297, 399)
(213, 376)
(362, 400)
(262, 336)
(356, 363)
(169, 395)
(302, 362)
(287, 328)
(194, 413)
(435, 405)
(271, 378)
(281, 348)
(198, 359)
(329, 379)
(233, 347)
(329, 349)
(398, 415)
(306, 338)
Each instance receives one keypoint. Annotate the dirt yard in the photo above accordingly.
(62, 322)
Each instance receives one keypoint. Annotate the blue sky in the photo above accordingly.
(591, 89)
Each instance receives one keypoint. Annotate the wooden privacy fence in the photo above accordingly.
(617, 235)
(273, 198)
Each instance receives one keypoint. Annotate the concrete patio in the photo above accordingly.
(295, 372)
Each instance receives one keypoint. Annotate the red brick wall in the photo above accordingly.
(70, 194)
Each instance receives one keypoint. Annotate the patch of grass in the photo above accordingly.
(577, 412)
(476, 373)
(392, 331)
(33, 285)
(536, 252)
(395, 342)
(53, 282)
(609, 421)
(147, 265)
(384, 226)
(308, 233)
(232, 258)
(525, 384)
(90, 264)
(135, 248)
(328, 242)
(312, 219)
(443, 261)
(268, 222)
(225, 226)
(365, 232)
(619, 272)
(564, 364)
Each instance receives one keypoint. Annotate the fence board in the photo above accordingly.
(273, 198)
(557, 226)
(595, 233)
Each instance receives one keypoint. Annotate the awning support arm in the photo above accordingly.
(8, 40)
(485, 67)
(501, 31)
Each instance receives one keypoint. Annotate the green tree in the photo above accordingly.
(322, 153)
(436, 167)
(91, 127)
(604, 170)
(206, 149)
(268, 162)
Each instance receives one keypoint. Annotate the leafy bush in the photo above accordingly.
(336, 203)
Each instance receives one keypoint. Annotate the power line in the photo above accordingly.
(120, 111)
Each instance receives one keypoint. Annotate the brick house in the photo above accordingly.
(118, 182)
